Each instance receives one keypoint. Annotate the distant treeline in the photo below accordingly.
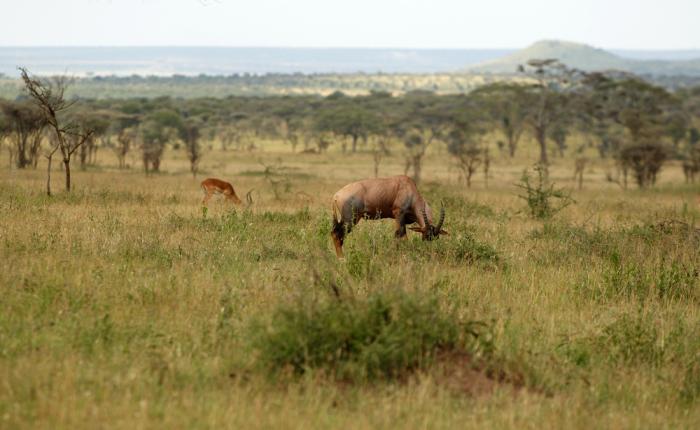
(638, 124)
(101, 87)
(179, 86)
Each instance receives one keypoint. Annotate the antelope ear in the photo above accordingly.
(418, 229)
(444, 232)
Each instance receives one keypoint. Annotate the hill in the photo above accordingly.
(587, 58)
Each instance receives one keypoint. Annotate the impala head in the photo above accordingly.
(431, 232)
(234, 198)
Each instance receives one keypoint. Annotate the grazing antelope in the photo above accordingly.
(212, 186)
(396, 197)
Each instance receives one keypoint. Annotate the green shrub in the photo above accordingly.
(541, 195)
(384, 335)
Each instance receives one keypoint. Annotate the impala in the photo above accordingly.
(396, 197)
(212, 186)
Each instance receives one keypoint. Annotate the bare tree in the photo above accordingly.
(49, 96)
(53, 147)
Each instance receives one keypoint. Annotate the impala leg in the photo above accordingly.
(207, 196)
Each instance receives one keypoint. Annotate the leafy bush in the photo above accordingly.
(541, 195)
(384, 335)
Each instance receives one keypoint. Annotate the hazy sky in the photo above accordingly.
(622, 24)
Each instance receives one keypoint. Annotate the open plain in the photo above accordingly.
(125, 304)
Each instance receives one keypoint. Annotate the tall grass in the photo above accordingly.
(122, 305)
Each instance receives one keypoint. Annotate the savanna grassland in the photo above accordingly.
(125, 305)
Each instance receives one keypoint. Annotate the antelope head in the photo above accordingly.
(431, 232)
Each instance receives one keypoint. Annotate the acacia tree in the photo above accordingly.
(467, 152)
(416, 144)
(231, 130)
(425, 119)
(642, 110)
(677, 125)
(99, 123)
(506, 105)
(4, 132)
(464, 139)
(349, 119)
(190, 133)
(380, 146)
(121, 135)
(121, 145)
(289, 113)
(559, 133)
(595, 120)
(553, 80)
(156, 131)
(49, 96)
(26, 126)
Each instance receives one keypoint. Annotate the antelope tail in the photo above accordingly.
(337, 217)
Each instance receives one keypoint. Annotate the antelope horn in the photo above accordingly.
(442, 218)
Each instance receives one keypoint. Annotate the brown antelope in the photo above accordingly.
(396, 197)
(212, 186)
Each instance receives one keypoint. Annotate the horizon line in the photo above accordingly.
(320, 48)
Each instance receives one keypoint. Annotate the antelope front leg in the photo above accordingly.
(400, 232)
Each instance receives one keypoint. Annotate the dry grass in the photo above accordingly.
(123, 307)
